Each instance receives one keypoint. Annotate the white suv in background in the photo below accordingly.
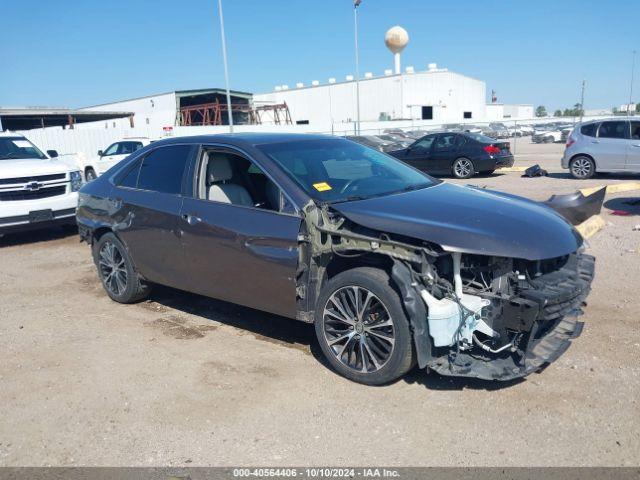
(115, 153)
(36, 190)
(611, 145)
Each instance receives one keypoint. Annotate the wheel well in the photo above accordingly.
(584, 155)
(340, 264)
(99, 232)
(89, 167)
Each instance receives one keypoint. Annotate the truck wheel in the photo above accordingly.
(463, 168)
(362, 328)
(116, 271)
(90, 174)
(582, 167)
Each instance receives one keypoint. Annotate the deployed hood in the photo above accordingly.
(469, 220)
(30, 167)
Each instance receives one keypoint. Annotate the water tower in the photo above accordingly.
(396, 39)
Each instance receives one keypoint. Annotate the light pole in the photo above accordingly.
(226, 69)
(582, 101)
(633, 67)
(356, 4)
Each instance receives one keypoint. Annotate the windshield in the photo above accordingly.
(12, 148)
(335, 170)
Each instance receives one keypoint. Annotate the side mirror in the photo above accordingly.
(52, 153)
(100, 153)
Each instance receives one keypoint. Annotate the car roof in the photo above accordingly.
(245, 138)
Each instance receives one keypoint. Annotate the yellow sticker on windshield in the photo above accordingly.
(322, 186)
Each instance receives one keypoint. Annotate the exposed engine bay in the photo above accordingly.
(471, 315)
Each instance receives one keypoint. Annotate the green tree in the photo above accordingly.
(541, 111)
(557, 113)
(637, 107)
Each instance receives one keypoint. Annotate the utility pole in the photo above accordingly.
(356, 4)
(633, 67)
(226, 68)
(582, 102)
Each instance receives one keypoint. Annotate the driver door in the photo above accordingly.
(242, 248)
(418, 155)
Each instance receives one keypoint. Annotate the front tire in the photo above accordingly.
(582, 167)
(463, 168)
(116, 271)
(362, 328)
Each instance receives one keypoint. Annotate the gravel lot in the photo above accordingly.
(185, 380)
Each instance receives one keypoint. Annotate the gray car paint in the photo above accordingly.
(469, 220)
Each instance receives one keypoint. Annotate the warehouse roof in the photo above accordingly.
(182, 93)
(27, 118)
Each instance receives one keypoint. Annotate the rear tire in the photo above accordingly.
(582, 167)
(116, 271)
(463, 168)
(362, 328)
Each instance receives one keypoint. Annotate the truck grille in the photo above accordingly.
(44, 192)
(35, 178)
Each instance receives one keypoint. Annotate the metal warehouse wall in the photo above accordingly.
(399, 96)
(154, 112)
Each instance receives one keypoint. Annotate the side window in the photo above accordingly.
(131, 177)
(589, 129)
(227, 177)
(127, 148)
(112, 150)
(445, 142)
(615, 129)
(163, 168)
(425, 143)
(635, 130)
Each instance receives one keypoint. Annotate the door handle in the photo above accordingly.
(595, 141)
(636, 145)
(191, 219)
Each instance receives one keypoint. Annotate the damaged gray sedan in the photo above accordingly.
(394, 268)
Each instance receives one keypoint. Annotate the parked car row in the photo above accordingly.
(551, 132)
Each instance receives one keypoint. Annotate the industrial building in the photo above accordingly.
(434, 94)
(179, 108)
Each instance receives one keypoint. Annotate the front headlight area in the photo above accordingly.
(76, 180)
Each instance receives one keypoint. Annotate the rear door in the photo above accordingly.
(444, 152)
(418, 155)
(149, 197)
(633, 148)
(611, 145)
(241, 253)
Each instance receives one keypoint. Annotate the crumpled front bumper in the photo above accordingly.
(556, 325)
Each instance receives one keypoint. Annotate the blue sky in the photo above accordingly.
(81, 52)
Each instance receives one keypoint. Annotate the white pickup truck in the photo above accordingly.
(114, 154)
(36, 189)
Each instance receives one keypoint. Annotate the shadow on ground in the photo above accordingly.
(629, 205)
(37, 236)
(293, 334)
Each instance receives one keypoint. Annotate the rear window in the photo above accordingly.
(163, 168)
(589, 129)
(614, 130)
(480, 138)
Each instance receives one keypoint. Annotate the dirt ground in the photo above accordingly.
(185, 380)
